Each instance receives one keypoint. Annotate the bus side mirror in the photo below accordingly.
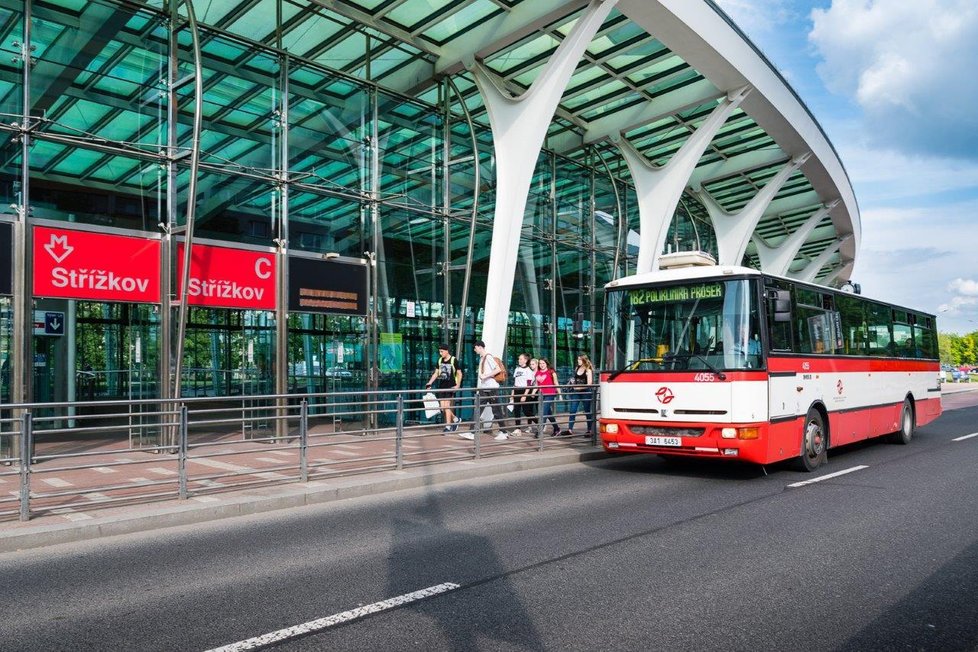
(781, 300)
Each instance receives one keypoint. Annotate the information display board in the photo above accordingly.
(327, 286)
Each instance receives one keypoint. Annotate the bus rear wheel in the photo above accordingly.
(905, 433)
(814, 441)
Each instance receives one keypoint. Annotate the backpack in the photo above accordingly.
(501, 375)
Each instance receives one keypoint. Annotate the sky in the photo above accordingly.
(894, 85)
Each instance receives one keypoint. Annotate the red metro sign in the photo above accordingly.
(225, 277)
(95, 266)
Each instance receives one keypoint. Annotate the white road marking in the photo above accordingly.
(283, 453)
(56, 482)
(270, 475)
(206, 499)
(335, 619)
(103, 469)
(161, 471)
(96, 496)
(270, 460)
(830, 475)
(217, 464)
(974, 434)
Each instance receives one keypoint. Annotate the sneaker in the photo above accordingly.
(457, 420)
(454, 426)
(501, 435)
(516, 433)
(467, 435)
(447, 429)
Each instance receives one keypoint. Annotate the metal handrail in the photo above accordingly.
(245, 431)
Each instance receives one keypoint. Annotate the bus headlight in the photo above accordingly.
(729, 433)
(610, 428)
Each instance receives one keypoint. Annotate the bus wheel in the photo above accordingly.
(905, 433)
(813, 442)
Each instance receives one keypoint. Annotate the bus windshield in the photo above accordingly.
(709, 325)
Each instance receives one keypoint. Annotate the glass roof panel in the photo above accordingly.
(254, 23)
(461, 21)
(114, 169)
(214, 11)
(310, 34)
(344, 52)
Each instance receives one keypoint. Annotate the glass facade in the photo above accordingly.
(308, 144)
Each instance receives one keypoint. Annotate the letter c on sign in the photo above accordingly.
(260, 265)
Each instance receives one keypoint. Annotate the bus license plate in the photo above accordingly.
(663, 441)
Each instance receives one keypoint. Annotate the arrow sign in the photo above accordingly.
(49, 323)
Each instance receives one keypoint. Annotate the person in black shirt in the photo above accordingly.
(446, 378)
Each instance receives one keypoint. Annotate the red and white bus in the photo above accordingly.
(728, 362)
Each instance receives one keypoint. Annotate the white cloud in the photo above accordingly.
(965, 287)
(756, 16)
(909, 65)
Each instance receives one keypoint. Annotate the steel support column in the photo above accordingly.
(734, 230)
(519, 126)
(813, 268)
(777, 260)
(660, 188)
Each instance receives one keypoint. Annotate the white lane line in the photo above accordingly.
(103, 469)
(217, 464)
(283, 453)
(830, 475)
(269, 460)
(974, 434)
(161, 471)
(345, 453)
(56, 482)
(335, 619)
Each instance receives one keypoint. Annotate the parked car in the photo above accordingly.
(338, 372)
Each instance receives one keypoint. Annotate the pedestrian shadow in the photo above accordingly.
(426, 551)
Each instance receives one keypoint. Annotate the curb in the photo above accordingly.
(248, 502)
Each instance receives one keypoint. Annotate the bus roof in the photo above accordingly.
(680, 274)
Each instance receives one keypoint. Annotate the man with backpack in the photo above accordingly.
(491, 373)
(448, 377)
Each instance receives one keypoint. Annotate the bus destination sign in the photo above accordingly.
(677, 293)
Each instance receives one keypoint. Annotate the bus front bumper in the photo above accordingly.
(738, 441)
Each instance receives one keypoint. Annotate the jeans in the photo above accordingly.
(525, 408)
(547, 410)
(579, 399)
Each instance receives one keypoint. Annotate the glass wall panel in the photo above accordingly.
(99, 75)
(11, 64)
(329, 123)
(77, 184)
(326, 223)
(410, 142)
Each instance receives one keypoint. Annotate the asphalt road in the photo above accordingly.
(631, 553)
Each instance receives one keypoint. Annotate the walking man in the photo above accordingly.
(447, 378)
(489, 369)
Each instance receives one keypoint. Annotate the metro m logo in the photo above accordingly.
(58, 248)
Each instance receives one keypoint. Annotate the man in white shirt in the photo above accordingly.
(489, 388)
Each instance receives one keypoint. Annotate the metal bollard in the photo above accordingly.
(477, 425)
(182, 446)
(304, 441)
(26, 451)
(399, 433)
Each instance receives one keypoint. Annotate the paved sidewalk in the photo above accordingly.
(70, 526)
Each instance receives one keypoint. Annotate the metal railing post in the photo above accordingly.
(182, 452)
(304, 440)
(399, 432)
(26, 452)
(477, 425)
(540, 421)
(594, 416)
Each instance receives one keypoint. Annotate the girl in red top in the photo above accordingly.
(545, 384)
